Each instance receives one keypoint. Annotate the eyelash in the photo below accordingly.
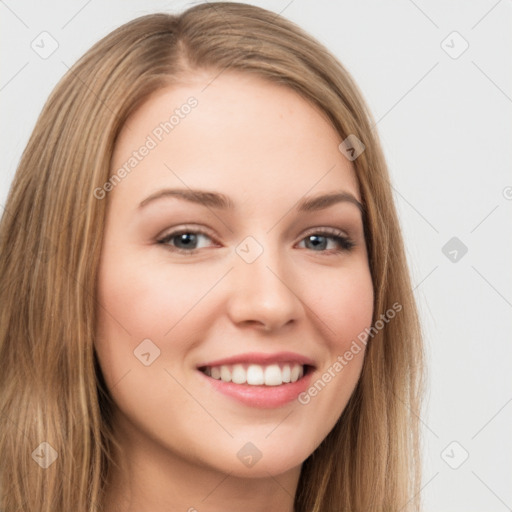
(345, 243)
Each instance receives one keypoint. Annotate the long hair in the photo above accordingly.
(56, 440)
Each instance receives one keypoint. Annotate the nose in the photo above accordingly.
(263, 292)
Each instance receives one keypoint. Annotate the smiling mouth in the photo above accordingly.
(274, 374)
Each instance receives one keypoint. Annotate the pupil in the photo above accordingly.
(317, 241)
(187, 239)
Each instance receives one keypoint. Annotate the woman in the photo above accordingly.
(205, 299)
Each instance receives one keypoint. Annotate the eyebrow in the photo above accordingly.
(223, 202)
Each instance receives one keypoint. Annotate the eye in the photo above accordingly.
(186, 241)
(318, 241)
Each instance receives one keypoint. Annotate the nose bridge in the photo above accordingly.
(262, 291)
(258, 255)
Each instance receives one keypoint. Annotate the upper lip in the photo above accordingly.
(261, 359)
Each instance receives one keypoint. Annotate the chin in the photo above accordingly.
(244, 458)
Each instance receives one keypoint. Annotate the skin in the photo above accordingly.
(266, 148)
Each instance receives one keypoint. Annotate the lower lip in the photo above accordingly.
(262, 397)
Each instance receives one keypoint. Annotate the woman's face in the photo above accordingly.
(219, 263)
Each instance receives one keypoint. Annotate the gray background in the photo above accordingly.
(444, 121)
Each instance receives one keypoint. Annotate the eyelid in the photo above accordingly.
(185, 228)
(325, 230)
(331, 232)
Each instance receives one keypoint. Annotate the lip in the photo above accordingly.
(262, 359)
(261, 397)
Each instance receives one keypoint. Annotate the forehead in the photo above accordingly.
(234, 132)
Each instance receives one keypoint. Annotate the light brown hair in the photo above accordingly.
(51, 387)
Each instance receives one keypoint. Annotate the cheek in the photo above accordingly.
(345, 304)
(131, 310)
(345, 308)
(146, 325)
(140, 301)
(146, 295)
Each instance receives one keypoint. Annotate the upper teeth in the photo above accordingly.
(255, 374)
